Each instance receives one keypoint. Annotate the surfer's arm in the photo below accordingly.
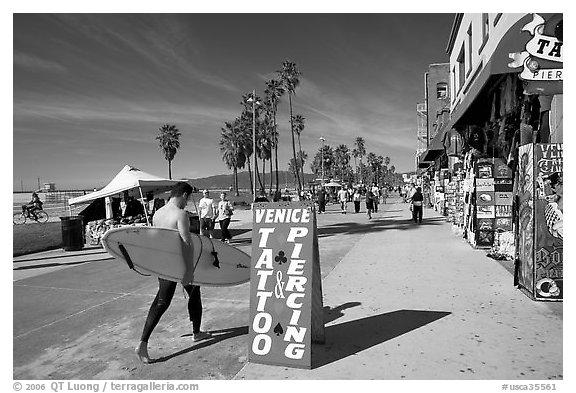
(184, 228)
(183, 224)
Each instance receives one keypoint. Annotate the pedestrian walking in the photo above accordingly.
(343, 199)
(369, 203)
(225, 211)
(376, 192)
(172, 215)
(384, 194)
(356, 199)
(417, 201)
(207, 214)
(321, 195)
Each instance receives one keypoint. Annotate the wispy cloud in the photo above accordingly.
(33, 63)
(341, 117)
(168, 45)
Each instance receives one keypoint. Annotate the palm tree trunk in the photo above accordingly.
(250, 175)
(237, 193)
(302, 161)
(170, 169)
(276, 153)
(294, 144)
(271, 179)
(257, 171)
(263, 182)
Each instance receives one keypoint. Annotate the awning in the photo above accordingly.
(435, 149)
(475, 93)
(129, 178)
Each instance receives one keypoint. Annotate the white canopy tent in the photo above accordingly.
(129, 179)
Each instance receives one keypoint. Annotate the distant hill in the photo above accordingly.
(224, 181)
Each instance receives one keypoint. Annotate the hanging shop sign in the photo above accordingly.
(485, 198)
(503, 223)
(542, 60)
(503, 198)
(484, 184)
(483, 211)
(540, 238)
(503, 185)
(286, 312)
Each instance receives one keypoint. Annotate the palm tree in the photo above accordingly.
(264, 146)
(244, 128)
(342, 158)
(372, 162)
(252, 120)
(274, 91)
(302, 157)
(355, 154)
(386, 163)
(328, 155)
(231, 149)
(360, 146)
(289, 77)
(298, 124)
(169, 142)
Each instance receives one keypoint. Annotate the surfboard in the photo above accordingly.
(159, 252)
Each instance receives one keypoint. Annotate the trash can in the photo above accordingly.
(72, 233)
(194, 223)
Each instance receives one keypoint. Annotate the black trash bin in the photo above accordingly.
(72, 233)
(194, 223)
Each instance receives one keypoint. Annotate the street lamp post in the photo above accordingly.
(322, 155)
(253, 101)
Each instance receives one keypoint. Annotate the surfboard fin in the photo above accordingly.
(216, 261)
(129, 260)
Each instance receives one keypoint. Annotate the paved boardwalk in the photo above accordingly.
(402, 301)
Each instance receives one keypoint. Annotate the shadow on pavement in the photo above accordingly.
(218, 335)
(349, 338)
(332, 314)
(45, 265)
(87, 250)
(376, 225)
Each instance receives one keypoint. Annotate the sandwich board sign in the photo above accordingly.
(286, 311)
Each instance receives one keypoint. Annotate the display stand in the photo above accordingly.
(286, 309)
(539, 239)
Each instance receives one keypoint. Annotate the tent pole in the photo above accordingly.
(144, 206)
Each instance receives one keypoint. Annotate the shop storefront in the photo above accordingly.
(500, 167)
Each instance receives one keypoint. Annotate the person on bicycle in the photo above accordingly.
(33, 205)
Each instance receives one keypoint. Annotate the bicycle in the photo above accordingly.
(39, 216)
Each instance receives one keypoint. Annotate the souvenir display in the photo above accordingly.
(540, 236)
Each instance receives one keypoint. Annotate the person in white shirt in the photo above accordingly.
(376, 192)
(207, 214)
(225, 211)
(343, 199)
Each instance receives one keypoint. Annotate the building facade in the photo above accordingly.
(433, 114)
(499, 161)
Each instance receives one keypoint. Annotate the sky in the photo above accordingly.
(91, 90)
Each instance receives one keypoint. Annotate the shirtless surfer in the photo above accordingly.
(172, 215)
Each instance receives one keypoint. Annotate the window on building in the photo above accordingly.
(485, 30)
(461, 68)
(497, 18)
(442, 90)
(469, 65)
(453, 84)
(485, 26)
